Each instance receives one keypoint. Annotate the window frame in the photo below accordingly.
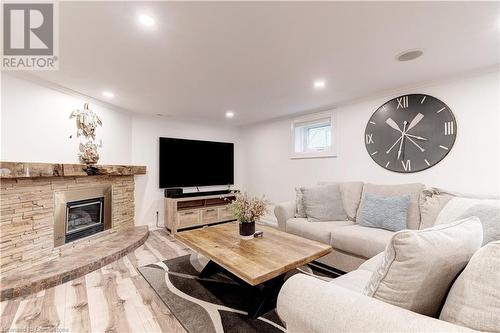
(296, 122)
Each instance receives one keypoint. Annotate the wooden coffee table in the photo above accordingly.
(260, 263)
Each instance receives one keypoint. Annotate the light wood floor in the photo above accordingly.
(115, 298)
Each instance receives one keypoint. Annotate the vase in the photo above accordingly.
(247, 230)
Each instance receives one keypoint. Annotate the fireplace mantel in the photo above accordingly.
(36, 170)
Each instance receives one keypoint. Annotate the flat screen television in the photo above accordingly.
(188, 163)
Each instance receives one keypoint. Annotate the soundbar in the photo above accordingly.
(180, 194)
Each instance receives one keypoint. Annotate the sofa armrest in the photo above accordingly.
(284, 211)
(308, 304)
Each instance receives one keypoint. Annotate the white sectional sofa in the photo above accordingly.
(352, 244)
(308, 304)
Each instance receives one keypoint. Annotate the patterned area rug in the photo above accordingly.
(213, 304)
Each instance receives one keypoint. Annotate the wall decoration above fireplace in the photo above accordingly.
(86, 123)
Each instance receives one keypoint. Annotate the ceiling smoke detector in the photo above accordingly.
(409, 55)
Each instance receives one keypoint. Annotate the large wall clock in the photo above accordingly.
(410, 133)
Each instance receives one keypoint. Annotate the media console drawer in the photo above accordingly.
(188, 218)
(225, 213)
(209, 215)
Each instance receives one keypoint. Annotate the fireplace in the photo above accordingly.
(81, 213)
(84, 218)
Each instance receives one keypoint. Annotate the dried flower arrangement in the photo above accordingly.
(248, 209)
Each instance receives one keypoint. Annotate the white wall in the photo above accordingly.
(149, 198)
(36, 127)
(471, 166)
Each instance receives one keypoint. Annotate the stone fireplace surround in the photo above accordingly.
(27, 208)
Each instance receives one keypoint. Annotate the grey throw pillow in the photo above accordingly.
(323, 203)
(385, 212)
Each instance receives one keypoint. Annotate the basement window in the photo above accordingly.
(313, 136)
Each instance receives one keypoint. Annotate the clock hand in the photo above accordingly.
(421, 149)
(393, 124)
(395, 143)
(415, 121)
(402, 139)
(416, 137)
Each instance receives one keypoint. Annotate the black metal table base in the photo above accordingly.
(267, 293)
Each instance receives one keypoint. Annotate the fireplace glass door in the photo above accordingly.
(84, 218)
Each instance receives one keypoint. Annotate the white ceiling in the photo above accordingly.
(260, 59)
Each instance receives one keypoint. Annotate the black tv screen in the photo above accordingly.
(188, 163)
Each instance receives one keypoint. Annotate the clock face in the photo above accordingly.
(410, 133)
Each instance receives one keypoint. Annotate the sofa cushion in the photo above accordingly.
(346, 262)
(355, 280)
(438, 190)
(431, 207)
(474, 298)
(351, 196)
(320, 232)
(435, 199)
(373, 263)
(300, 208)
(323, 203)
(387, 213)
(487, 210)
(362, 241)
(419, 266)
(414, 190)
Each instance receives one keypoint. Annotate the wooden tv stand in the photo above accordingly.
(189, 212)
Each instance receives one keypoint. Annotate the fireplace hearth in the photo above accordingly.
(81, 213)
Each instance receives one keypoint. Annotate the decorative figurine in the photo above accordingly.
(86, 121)
(89, 154)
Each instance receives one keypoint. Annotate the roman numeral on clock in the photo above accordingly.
(448, 128)
(406, 165)
(402, 102)
(369, 139)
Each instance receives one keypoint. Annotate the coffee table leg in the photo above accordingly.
(269, 295)
(210, 269)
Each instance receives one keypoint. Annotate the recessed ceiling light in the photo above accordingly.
(108, 94)
(319, 84)
(146, 20)
(409, 55)
(229, 114)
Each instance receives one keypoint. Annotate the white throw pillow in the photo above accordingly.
(474, 298)
(419, 266)
(487, 210)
